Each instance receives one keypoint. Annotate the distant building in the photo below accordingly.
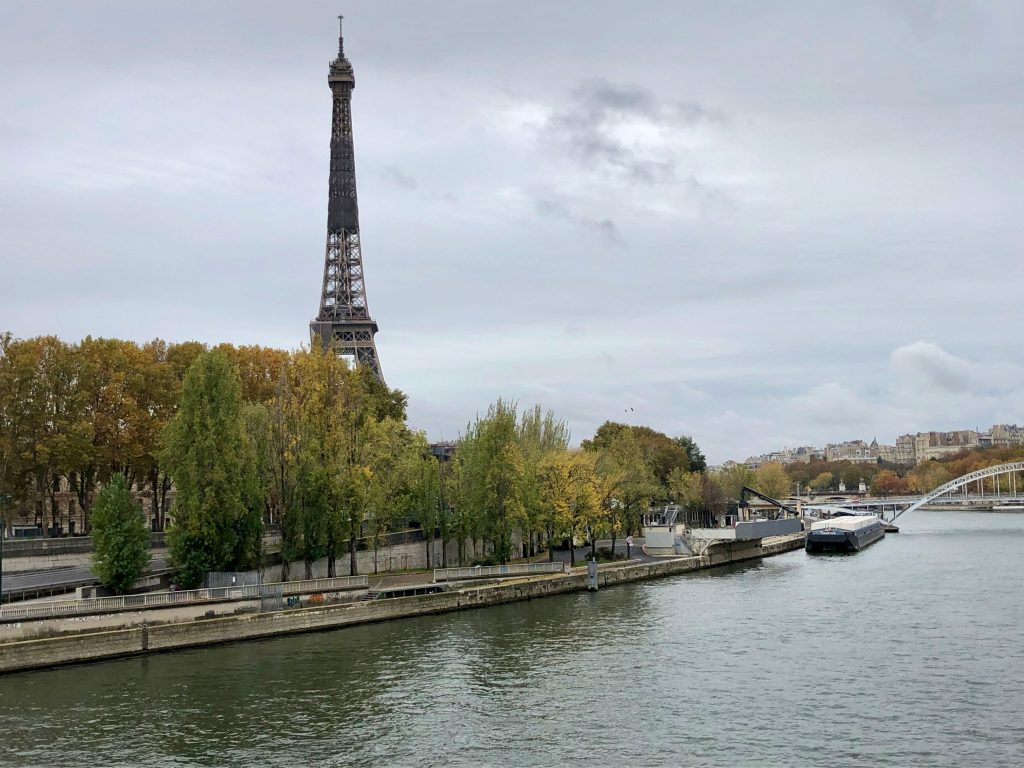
(935, 445)
(909, 448)
(852, 450)
(1003, 436)
(443, 451)
(802, 454)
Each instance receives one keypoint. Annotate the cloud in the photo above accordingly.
(796, 184)
(623, 129)
(928, 365)
(399, 178)
(553, 208)
(830, 404)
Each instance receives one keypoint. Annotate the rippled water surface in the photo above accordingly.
(910, 653)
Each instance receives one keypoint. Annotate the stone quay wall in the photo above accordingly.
(94, 646)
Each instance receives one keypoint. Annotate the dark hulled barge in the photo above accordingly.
(849, 533)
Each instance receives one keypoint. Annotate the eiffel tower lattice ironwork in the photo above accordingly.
(343, 322)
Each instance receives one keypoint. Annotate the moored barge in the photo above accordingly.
(849, 533)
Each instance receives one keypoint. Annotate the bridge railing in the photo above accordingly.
(497, 571)
(960, 482)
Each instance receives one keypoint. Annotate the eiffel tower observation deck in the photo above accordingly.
(343, 322)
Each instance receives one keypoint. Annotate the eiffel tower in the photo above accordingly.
(343, 322)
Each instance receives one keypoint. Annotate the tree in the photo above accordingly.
(217, 510)
(662, 453)
(391, 465)
(629, 482)
(423, 476)
(553, 485)
(732, 479)
(888, 483)
(771, 480)
(540, 435)
(492, 473)
(572, 490)
(119, 536)
(695, 458)
(822, 482)
(110, 374)
(714, 504)
(929, 475)
(43, 417)
(700, 496)
(685, 488)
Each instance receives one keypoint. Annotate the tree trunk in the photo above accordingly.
(309, 568)
(353, 567)
(54, 488)
(154, 502)
(430, 546)
(286, 570)
(551, 544)
(614, 533)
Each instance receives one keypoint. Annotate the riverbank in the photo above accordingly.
(95, 646)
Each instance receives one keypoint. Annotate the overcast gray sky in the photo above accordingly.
(762, 224)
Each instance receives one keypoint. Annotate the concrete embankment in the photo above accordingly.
(93, 646)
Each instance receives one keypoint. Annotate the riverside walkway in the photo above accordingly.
(22, 585)
(65, 643)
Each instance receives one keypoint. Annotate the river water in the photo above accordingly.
(910, 653)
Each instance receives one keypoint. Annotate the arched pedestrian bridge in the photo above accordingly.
(893, 508)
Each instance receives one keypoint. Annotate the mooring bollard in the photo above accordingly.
(592, 575)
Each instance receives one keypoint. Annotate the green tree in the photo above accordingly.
(661, 453)
(822, 482)
(700, 497)
(771, 480)
(732, 479)
(695, 458)
(119, 536)
(572, 490)
(390, 468)
(423, 478)
(630, 483)
(492, 472)
(540, 435)
(217, 510)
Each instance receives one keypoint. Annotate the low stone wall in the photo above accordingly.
(90, 646)
(776, 545)
(33, 629)
(409, 556)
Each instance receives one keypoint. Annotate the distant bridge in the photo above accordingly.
(891, 508)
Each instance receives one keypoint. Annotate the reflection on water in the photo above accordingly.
(909, 653)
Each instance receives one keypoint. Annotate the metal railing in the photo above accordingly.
(335, 584)
(496, 571)
(60, 608)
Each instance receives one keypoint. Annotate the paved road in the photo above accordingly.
(583, 553)
(53, 578)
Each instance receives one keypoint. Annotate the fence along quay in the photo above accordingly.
(95, 646)
(85, 606)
